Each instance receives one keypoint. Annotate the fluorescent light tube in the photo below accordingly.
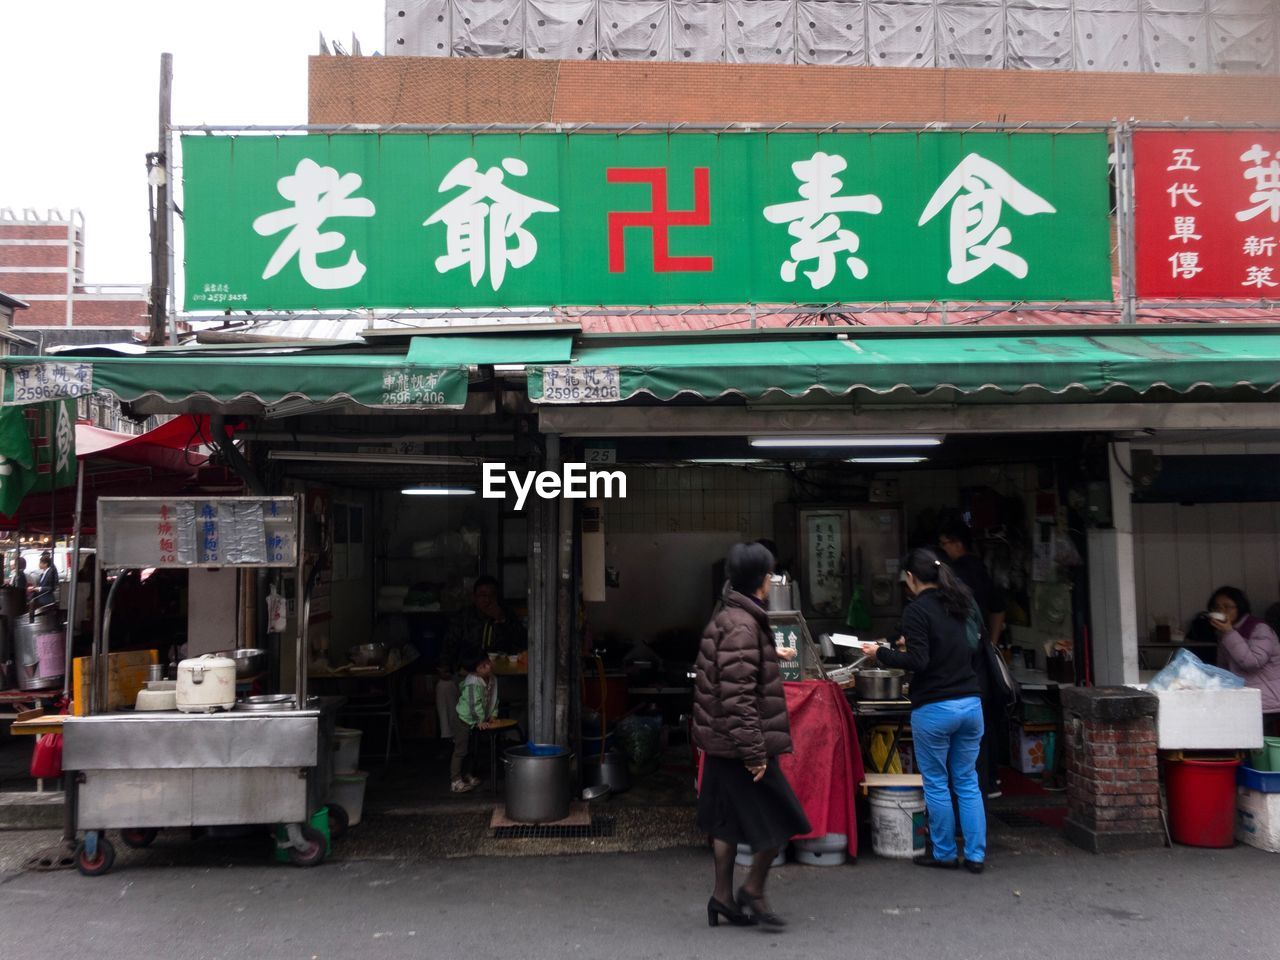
(727, 460)
(887, 459)
(438, 492)
(845, 441)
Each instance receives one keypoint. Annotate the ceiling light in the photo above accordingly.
(392, 459)
(438, 492)
(845, 441)
(888, 459)
(722, 461)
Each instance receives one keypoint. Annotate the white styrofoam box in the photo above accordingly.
(1209, 719)
(1258, 819)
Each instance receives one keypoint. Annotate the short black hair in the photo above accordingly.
(747, 565)
(485, 580)
(956, 529)
(46, 557)
(1235, 595)
(471, 658)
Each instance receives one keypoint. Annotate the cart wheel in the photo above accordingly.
(339, 822)
(96, 866)
(313, 853)
(138, 837)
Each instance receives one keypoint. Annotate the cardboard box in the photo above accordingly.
(126, 675)
(1258, 819)
(1209, 719)
(1031, 748)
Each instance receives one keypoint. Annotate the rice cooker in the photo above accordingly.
(206, 684)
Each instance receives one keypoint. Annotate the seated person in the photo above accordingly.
(1249, 649)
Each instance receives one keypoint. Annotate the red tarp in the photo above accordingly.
(826, 767)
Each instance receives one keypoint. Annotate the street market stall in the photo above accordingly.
(212, 758)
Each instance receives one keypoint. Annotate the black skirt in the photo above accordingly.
(732, 808)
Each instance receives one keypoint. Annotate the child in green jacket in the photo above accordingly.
(477, 708)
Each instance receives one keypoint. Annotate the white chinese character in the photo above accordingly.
(1184, 229)
(1259, 246)
(1266, 182)
(979, 189)
(318, 193)
(815, 221)
(467, 240)
(1259, 277)
(1186, 265)
(1182, 159)
(1186, 190)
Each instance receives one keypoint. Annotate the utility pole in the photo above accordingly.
(158, 179)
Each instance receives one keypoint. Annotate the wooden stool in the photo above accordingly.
(499, 726)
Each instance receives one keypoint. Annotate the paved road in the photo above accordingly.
(1067, 905)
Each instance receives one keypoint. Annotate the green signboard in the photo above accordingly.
(594, 219)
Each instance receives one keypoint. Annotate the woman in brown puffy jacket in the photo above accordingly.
(740, 723)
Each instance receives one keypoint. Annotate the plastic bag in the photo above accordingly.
(277, 611)
(46, 759)
(1186, 671)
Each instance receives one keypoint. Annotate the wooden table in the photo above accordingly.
(387, 682)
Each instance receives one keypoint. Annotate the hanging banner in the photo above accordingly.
(37, 450)
(592, 219)
(1207, 212)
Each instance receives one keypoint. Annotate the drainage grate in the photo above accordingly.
(599, 827)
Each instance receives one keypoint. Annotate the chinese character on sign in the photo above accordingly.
(1181, 158)
(1259, 277)
(318, 193)
(815, 221)
(1186, 265)
(469, 240)
(1187, 191)
(1184, 229)
(977, 190)
(658, 219)
(1265, 174)
(1259, 246)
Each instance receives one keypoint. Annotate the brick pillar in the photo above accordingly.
(1113, 781)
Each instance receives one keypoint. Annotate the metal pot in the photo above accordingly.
(537, 784)
(369, 655)
(877, 683)
(249, 662)
(609, 770)
(39, 650)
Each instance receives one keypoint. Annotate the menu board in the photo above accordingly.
(178, 532)
(790, 630)
(824, 539)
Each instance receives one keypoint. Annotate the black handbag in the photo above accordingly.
(1001, 677)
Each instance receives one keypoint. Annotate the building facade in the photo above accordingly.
(42, 264)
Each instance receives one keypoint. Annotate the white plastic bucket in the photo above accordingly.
(348, 792)
(830, 850)
(743, 859)
(899, 827)
(346, 750)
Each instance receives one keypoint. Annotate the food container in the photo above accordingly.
(346, 750)
(206, 684)
(265, 703)
(369, 655)
(249, 662)
(876, 683)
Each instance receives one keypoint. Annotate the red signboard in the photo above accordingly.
(1207, 207)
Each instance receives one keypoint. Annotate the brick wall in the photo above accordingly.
(436, 90)
(12, 255)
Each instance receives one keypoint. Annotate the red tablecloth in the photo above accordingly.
(826, 767)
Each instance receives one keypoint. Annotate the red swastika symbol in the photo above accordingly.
(658, 219)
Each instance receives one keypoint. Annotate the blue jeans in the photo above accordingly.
(947, 737)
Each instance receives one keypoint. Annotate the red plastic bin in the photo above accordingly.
(1202, 801)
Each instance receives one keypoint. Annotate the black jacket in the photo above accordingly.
(938, 652)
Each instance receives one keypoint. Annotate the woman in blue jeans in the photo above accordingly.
(946, 708)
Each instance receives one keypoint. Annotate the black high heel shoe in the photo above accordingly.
(716, 910)
(754, 908)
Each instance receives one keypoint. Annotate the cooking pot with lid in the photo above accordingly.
(206, 684)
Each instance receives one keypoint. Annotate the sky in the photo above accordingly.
(79, 97)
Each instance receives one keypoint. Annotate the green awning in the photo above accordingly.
(176, 378)
(948, 364)
(531, 347)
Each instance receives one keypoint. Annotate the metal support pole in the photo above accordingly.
(1125, 234)
(73, 590)
(564, 617)
(161, 224)
(303, 603)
